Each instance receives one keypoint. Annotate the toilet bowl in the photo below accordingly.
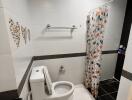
(61, 90)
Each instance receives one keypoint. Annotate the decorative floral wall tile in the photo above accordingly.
(24, 33)
(18, 32)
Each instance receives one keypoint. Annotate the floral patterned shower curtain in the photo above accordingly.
(96, 22)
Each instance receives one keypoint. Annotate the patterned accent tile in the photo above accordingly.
(18, 31)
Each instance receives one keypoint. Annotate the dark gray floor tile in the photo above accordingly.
(114, 95)
(109, 88)
(115, 85)
(101, 92)
(105, 97)
(108, 81)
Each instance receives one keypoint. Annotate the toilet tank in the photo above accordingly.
(37, 83)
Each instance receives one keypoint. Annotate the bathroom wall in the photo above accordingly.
(6, 65)
(74, 12)
(14, 61)
(126, 78)
(36, 14)
(17, 10)
(68, 13)
(126, 81)
(72, 65)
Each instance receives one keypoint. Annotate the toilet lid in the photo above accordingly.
(47, 81)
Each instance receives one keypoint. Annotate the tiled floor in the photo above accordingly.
(108, 89)
(81, 93)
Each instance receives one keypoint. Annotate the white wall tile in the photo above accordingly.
(1, 5)
(18, 8)
(78, 65)
(115, 23)
(7, 73)
(74, 68)
(49, 12)
(60, 45)
(4, 39)
(21, 56)
(21, 59)
(108, 66)
(125, 83)
(128, 61)
(124, 89)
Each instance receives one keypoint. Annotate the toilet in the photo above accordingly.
(42, 88)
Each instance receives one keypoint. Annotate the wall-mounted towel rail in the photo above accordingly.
(63, 28)
(51, 27)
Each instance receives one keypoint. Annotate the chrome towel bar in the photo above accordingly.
(51, 27)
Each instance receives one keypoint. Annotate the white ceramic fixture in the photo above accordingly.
(61, 90)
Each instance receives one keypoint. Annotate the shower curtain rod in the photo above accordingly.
(107, 3)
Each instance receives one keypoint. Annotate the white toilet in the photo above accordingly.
(41, 83)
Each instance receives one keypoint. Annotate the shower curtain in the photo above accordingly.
(96, 22)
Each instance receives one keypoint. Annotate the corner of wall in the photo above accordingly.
(6, 63)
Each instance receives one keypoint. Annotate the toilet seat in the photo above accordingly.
(62, 88)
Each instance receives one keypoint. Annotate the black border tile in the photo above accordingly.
(9, 95)
(127, 74)
(109, 52)
(59, 56)
(43, 57)
(20, 87)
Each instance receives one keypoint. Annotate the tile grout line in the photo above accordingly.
(112, 97)
(110, 92)
(116, 79)
(107, 92)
